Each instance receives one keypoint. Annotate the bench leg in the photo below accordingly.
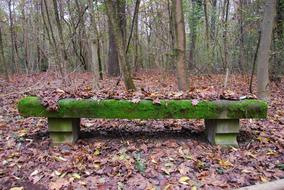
(63, 130)
(222, 131)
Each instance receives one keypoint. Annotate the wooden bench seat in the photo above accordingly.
(221, 116)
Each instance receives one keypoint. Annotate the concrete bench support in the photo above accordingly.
(222, 131)
(63, 130)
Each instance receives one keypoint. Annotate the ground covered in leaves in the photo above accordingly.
(122, 154)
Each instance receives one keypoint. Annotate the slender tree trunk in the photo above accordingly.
(263, 54)
(254, 62)
(180, 45)
(51, 36)
(112, 64)
(62, 47)
(213, 19)
(38, 63)
(242, 48)
(135, 17)
(25, 39)
(95, 47)
(85, 44)
(95, 66)
(120, 45)
(73, 30)
(171, 24)
(136, 44)
(193, 26)
(206, 24)
(134, 27)
(14, 47)
(2, 56)
(225, 32)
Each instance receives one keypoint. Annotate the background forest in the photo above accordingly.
(68, 36)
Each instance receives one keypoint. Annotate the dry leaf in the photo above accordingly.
(184, 180)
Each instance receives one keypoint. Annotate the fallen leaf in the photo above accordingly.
(17, 188)
(34, 173)
(60, 159)
(97, 152)
(76, 176)
(263, 179)
(184, 180)
(225, 164)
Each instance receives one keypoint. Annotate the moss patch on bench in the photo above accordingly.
(145, 109)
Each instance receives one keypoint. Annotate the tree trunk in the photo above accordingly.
(193, 26)
(62, 47)
(14, 47)
(95, 48)
(2, 56)
(206, 24)
(51, 37)
(264, 50)
(213, 19)
(120, 45)
(225, 32)
(113, 62)
(136, 43)
(134, 26)
(134, 18)
(180, 45)
(242, 48)
(85, 44)
(25, 41)
(95, 66)
(171, 24)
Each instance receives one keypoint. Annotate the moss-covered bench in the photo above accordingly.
(221, 116)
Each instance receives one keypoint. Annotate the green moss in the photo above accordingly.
(145, 109)
(248, 109)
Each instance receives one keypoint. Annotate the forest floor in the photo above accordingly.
(122, 154)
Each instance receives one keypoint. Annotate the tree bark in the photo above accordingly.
(263, 54)
(180, 45)
(85, 44)
(2, 56)
(171, 24)
(120, 45)
(136, 41)
(213, 19)
(135, 17)
(225, 32)
(242, 46)
(95, 47)
(62, 47)
(113, 62)
(14, 47)
(193, 26)
(25, 41)
(206, 24)
(51, 36)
